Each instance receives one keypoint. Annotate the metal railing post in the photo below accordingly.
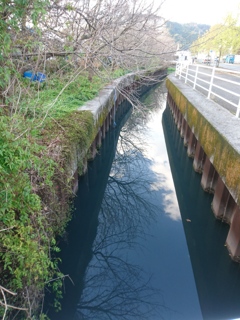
(180, 71)
(211, 83)
(238, 109)
(195, 79)
(176, 70)
(186, 76)
(192, 78)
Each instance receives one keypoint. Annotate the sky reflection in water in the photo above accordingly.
(140, 267)
(126, 251)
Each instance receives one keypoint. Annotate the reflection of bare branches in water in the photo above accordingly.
(136, 98)
(132, 133)
(128, 192)
(127, 196)
(130, 180)
(157, 98)
(115, 288)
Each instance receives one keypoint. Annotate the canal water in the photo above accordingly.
(143, 242)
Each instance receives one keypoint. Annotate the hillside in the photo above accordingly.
(185, 34)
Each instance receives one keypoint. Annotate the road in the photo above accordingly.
(232, 86)
(230, 66)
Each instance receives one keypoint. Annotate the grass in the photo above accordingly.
(59, 96)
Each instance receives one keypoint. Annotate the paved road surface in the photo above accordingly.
(229, 86)
(230, 66)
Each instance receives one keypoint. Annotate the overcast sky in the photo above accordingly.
(201, 11)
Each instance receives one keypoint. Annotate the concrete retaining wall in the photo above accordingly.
(212, 137)
(103, 109)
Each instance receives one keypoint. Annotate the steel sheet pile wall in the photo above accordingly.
(212, 137)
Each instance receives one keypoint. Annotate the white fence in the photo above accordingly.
(220, 85)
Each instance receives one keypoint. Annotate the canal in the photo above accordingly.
(143, 242)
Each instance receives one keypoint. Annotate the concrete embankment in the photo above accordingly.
(103, 109)
(212, 137)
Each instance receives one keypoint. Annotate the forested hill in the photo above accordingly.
(186, 33)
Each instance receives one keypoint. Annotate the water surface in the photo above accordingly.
(125, 249)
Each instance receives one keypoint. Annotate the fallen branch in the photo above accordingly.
(2, 231)
(4, 302)
(13, 307)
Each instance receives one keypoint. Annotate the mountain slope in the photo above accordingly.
(186, 33)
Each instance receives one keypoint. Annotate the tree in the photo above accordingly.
(98, 33)
(221, 38)
(56, 37)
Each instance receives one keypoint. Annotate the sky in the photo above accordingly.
(200, 11)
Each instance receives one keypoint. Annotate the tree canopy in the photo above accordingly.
(222, 38)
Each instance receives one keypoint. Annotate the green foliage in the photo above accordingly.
(222, 38)
(74, 129)
(186, 33)
(26, 236)
(39, 126)
(60, 96)
(33, 179)
(14, 16)
(171, 70)
(119, 73)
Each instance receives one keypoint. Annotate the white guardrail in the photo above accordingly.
(214, 82)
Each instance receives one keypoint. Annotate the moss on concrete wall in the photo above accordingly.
(219, 150)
